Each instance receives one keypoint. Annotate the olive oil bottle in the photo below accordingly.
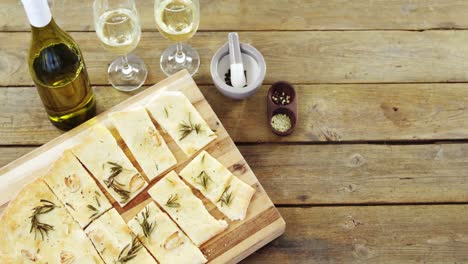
(58, 70)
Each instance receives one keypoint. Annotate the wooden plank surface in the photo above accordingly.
(9, 154)
(371, 234)
(365, 174)
(351, 174)
(305, 57)
(272, 14)
(327, 113)
(349, 61)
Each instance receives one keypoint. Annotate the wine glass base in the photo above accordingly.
(171, 64)
(127, 79)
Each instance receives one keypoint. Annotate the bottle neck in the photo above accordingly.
(50, 29)
(38, 12)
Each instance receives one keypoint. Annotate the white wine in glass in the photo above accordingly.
(178, 21)
(118, 28)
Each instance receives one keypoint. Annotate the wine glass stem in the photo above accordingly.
(180, 55)
(127, 69)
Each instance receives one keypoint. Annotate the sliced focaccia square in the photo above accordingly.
(115, 242)
(102, 156)
(235, 199)
(207, 175)
(176, 198)
(144, 141)
(161, 236)
(179, 118)
(230, 195)
(75, 188)
(36, 228)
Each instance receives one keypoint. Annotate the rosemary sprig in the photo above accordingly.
(113, 184)
(115, 169)
(71, 206)
(226, 197)
(185, 128)
(173, 201)
(166, 112)
(204, 179)
(170, 181)
(118, 188)
(94, 210)
(97, 201)
(42, 228)
(146, 226)
(132, 252)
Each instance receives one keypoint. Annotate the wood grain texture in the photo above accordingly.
(370, 234)
(335, 42)
(262, 223)
(299, 57)
(366, 174)
(9, 154)
(351, 174)
(358, 112)
(272, 14)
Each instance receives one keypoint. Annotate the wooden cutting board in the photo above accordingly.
(263, 222)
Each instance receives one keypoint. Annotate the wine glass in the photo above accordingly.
(178, 21)
(118, 27)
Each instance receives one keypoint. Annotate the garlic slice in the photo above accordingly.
(154, 134)
(173, 241)
(27, 254)
(136, 183)
(66, 257)
(72, 182)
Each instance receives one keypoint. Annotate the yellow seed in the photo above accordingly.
(281, 122)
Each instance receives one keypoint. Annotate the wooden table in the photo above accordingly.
(377, 170)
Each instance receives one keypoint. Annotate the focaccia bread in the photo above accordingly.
(176, 198)
(235, 199)
(75, 188)
(179, 118)
(36, 228)
(102, 156)
(230, 195)
(144, 141)
(207, 175)
(115, 242)
(163, 238)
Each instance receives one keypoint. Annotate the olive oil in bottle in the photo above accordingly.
(58, 70)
